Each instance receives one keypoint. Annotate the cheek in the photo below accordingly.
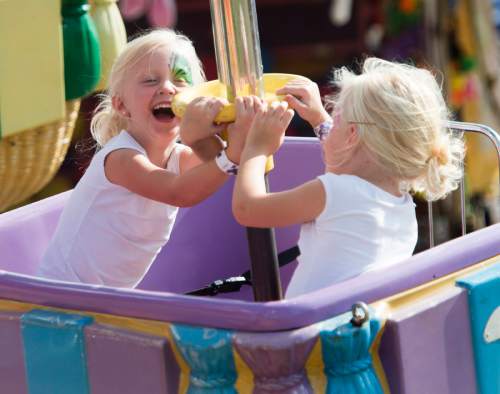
(331, 141)
(335, 147)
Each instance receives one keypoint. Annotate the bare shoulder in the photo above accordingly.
(120, 164)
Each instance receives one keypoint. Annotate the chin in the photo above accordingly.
(169, 133)
(168, 127)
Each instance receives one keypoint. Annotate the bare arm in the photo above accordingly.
(133, 171)
(252, 205)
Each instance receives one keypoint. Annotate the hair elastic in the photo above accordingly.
(224, 164)
(439, 153)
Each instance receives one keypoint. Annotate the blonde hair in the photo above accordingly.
(401, 117)
(107, 122)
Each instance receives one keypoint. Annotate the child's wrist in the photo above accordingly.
(320, 118)
(323, 128)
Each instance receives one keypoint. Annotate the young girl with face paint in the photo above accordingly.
(386, 136)
(123, 209)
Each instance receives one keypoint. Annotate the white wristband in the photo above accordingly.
(323, 129)
(224, 164)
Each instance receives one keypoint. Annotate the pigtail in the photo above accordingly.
(443, 168)
(106, 122)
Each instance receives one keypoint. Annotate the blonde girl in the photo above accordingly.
(386, 136)
(122, 210)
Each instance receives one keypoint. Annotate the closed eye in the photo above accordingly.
(180, 82)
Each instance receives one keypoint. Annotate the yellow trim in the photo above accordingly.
(185, 370)
(377, 363)
(314, 368)
(244, 381)
(385, 306)
(151, 327)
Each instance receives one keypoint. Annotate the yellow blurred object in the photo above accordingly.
(31, 65)
(29, 159)
(112, 35)
(271, 82)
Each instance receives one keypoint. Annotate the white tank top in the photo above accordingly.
(361, 228)
(108, 235)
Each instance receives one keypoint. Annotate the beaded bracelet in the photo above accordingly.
(323, 129)
(224, 164)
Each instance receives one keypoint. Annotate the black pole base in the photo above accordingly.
(266, 282)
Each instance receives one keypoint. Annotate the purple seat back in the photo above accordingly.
(26, 231)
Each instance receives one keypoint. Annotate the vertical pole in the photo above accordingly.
(239, 67)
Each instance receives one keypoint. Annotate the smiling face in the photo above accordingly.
(146, 96)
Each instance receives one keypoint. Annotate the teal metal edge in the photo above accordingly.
(54, 352)
(483, 289)
(209, 354)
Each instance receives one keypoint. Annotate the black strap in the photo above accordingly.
(234, 283)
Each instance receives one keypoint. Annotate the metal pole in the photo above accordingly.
(239, 67)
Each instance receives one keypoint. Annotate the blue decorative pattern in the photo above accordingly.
(484, 297)
(209, 354)
(345, 351)
(54, 352)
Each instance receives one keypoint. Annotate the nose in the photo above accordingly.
(167, 87)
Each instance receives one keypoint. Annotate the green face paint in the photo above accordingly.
(181, 70)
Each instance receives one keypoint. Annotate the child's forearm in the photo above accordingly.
(197, 184)
(250, 186)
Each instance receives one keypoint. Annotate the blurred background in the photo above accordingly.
(457, 39)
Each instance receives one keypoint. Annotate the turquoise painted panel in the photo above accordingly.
(54, 352)
(345, 351)
(209, 354)
(484, 299)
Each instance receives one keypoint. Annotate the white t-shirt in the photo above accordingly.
(108, 235)
(362, 227)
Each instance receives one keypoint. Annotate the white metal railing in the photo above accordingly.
(494, 137)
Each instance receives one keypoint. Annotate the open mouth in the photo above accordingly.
(163, 113)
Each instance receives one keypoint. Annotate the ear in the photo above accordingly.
(119, 106)
(352, 135)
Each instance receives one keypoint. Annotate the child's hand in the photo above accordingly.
(198, 121)
(268, 128)
(303, 96)
(246, 108)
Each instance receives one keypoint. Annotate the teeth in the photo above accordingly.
(163, 105)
